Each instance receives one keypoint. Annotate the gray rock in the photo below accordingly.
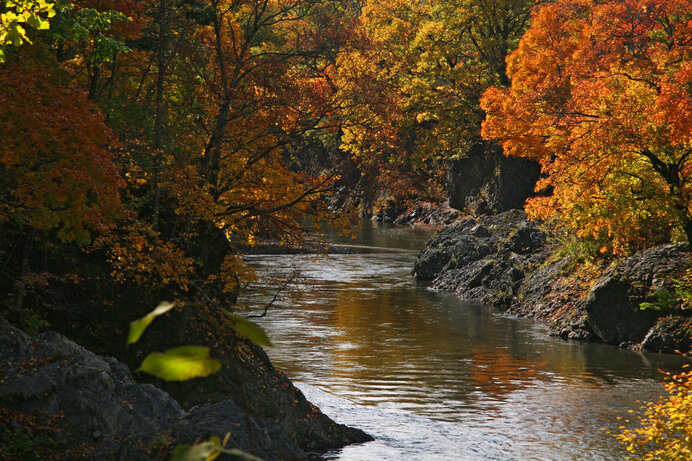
(250, 435)
(483, 259)
(670, 334)
(98, 411)
(486, 181)
(96, 397)
(613, 305)
(613, 316)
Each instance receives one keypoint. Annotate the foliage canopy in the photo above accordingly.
(601, 97)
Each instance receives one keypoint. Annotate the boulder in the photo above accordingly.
(87, 406)
(485, 181)
(252, 435)
(92, 399)
(670, 334)
(613, 306)
(483, 259)
(247, 377)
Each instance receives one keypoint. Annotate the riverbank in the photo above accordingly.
(434, 214)
(515, 264)
(62, 400)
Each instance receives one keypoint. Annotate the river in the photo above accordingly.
(435, 378)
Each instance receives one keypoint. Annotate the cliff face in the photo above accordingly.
(485, 181)
(511, 262)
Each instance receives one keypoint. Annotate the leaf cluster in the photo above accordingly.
(666, 425)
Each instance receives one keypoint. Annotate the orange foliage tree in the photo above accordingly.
(601, 97)
(54, 161)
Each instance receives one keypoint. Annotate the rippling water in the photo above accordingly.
(433, 377)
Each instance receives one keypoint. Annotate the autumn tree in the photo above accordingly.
(262, 71)
(57, 175)
(209, 106)
(601, 97)
(414, 75)
(666, 425)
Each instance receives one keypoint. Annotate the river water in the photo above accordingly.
(435, 378)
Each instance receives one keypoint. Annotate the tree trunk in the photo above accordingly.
(159, 144)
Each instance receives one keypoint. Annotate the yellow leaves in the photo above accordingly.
(141, 256)
(235, 272)
(19, 13)
(666, 426)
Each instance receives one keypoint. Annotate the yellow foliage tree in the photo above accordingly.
(666, 426)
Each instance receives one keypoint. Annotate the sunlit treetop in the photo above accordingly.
(601, 97)
(18, 15)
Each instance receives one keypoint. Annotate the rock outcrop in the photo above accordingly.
(484, 259)
(248, 378)
(511, 262)
(420, 212)
(88, 406)
(486, 181)
(613, 304)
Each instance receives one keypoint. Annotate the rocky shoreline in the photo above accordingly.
(61, 401)
(515, 264)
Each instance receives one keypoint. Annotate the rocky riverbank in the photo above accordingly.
(420, 212)
(61, 401)
(515, 264)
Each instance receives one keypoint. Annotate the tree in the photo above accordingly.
(414, 76)
(57, 174)
(601, 97)
(55, 165)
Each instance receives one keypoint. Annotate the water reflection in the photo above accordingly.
(436, 378)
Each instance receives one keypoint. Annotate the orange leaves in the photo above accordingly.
(600, 96)
(55, 164)
(141, 256)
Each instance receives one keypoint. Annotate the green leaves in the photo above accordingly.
(249, 329)
(93, 26)
(208, 451)
(180, 363)
(188, 362)
(177, 364)
(200, 452)
(138, 326)
(17, 13)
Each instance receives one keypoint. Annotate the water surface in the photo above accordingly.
(432, 377)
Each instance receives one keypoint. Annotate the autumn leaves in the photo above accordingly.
(600, 96)
(185, 130)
